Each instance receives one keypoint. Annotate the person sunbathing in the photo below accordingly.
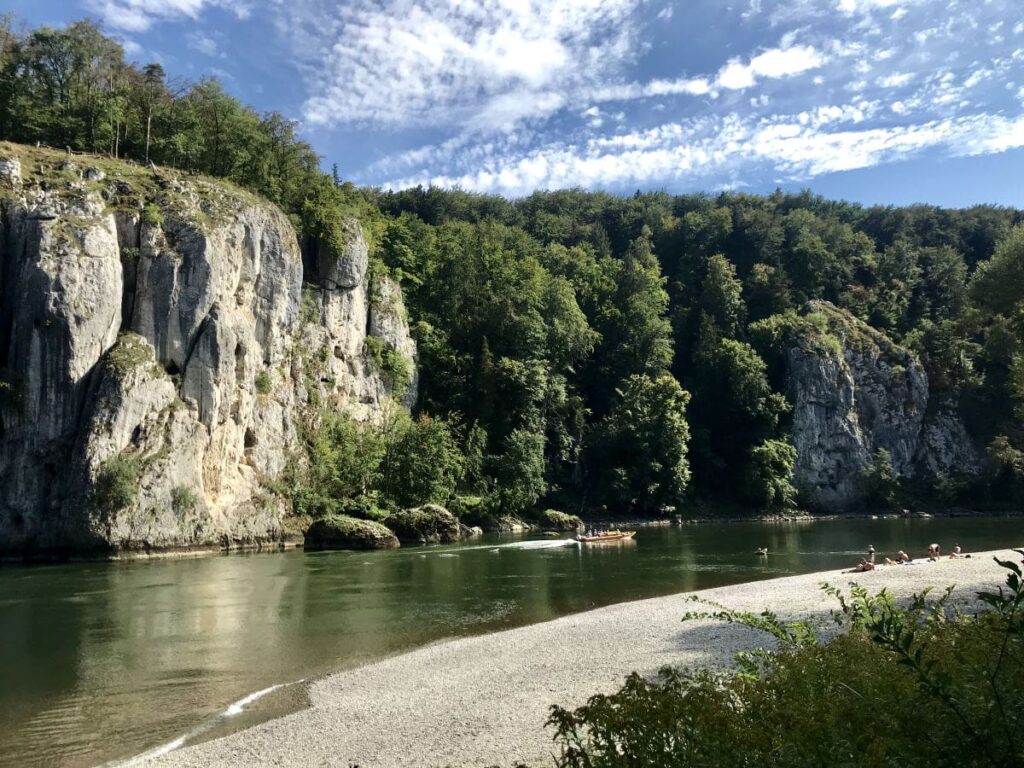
(862, 566)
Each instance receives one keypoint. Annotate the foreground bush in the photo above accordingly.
(908, 687)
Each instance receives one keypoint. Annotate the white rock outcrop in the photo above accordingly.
(157, 325)
(854, 392)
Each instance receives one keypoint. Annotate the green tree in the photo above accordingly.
(770, 475)
(344, 459)
(880, 480)
(519, 472)
(641, 446)
(721, 297)
(422, 463)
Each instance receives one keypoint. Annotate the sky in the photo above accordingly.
(878, 101)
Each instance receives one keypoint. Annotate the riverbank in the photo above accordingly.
(483, 700)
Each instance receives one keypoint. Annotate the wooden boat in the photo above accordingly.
(607, 536)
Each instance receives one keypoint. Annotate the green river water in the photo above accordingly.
(103, 661)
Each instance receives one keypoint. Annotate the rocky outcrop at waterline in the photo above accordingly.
(855, 392)
(159, 353)
(342, 532)
(429, 524)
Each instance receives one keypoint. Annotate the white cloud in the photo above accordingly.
(895, 80)
(707, 147)
(140, 15)
(773, 64)
(398, 63)
(199, 41)
(850, 7)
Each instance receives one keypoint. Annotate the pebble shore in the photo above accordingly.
(483, 701)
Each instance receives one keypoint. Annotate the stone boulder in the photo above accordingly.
(342, 532)
(562, 522)
(429, 524)
(344, 265)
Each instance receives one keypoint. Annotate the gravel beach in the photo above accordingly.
(483, 700)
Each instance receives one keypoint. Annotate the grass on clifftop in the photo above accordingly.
(126, 185)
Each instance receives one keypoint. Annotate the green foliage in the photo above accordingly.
(998, 284)
(880, 480)
(343, 462)
(916, 686)
(263, 383)
(770, 475)
(152, 215)
(722, 296)
(393, 366)
(129, 353)
(1007, 469)
(183, 500)
(519, 472)
(422, 461)
(642, 446)
(116, 485)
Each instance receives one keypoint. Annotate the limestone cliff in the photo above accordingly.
(853, 392)
(158, 354)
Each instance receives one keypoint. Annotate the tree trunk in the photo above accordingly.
(149, 125)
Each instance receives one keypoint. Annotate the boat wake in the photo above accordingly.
(533, 544)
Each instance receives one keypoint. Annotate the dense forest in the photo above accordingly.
(581, 350)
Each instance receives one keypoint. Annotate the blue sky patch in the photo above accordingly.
(873, 100)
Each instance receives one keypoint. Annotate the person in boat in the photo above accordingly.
(862, 566)
(762, 551)
(933, 552)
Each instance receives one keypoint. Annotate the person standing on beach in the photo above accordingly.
(933, 552)
(871, 553)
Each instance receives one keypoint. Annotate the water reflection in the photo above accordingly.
(105, 660)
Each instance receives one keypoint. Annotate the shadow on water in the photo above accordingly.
(102, 661)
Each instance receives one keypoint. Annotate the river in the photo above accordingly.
(102, 661)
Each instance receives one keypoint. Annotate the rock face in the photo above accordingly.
(854, 392)
(157, 325)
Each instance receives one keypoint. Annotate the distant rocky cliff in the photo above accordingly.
(154, 329)
(854, 392)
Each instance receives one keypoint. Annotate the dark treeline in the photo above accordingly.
(583, 349)
(584, 317)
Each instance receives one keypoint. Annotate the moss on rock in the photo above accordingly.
(553, 520)
(429, 524)
(343, 532)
